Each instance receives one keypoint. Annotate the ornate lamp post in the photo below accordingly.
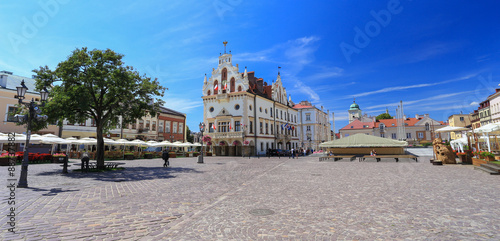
(202, 129)
(33, 113)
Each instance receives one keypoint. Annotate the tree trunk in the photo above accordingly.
(100, 148)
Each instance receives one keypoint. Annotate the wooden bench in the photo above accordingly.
(338, 157)
(396, 157)
(106, 164)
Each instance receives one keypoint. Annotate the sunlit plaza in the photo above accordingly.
(235, 198)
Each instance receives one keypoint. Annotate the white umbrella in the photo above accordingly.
(452, 129)
(492, 127)
(19, 138)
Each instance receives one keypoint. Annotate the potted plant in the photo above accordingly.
(172, 154)
(128, 156)
(58, 158)
(148, 155)
(6, 160)
(488, 156)
(195, 154)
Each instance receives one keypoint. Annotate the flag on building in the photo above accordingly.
(213, 127)
(225, 86)
(216, 87)
(230, 127)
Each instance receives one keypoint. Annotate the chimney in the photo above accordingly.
(417, 116)
(426, 115)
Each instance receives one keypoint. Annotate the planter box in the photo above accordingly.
(208, 154)
(5, 161)
(129, 157)
(465, 159)
(172, 155)
(148, 156)
(58, 159)
(478, 162)
(196, 154)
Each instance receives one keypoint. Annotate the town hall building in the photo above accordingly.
(241, 109)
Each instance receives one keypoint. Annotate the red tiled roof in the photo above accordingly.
(359, 125)
(299, 106)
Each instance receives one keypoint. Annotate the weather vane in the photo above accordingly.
(225, 42)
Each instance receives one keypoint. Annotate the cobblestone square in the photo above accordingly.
(234, 198)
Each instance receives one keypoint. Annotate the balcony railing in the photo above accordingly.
(223, 135)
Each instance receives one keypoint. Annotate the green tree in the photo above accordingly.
(384, 116)
(188, 135)
(96, 84)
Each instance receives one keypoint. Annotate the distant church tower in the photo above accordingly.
(354, 112)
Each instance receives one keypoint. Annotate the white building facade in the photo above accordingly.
(314, 125)
(242, 110)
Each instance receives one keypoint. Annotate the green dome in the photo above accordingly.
(354, 106)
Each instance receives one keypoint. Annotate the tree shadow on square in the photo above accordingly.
(126, 175)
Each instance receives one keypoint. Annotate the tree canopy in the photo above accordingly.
(97, 85)
(383, 116)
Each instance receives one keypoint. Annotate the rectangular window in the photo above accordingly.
(261, 130)
(223, 126)
(267, 128)
(141, 124)
(160, 127)
(393, 135)
(211, 127)
(167, 127)
(251, 127)
(237, 126)
(462, 118)
(271, 111)
(10, 118)
(420, 135)
(272, 130)
(308, 128)
(308, 117)
(181, 128)
(174, 127)
(408, 135)
(147, 124)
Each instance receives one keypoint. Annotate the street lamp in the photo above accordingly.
(33, 113)
(202, 129)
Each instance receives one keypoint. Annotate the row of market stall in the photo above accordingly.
(484, 138)
(55, 140)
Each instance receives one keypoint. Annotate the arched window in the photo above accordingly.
(427, 126)
(232, 85)
(208, 93)
(224, 75)
(216, 87)
(239, 88)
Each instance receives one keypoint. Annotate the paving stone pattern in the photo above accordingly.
(302, 199)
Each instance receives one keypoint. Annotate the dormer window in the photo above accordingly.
(382, 126)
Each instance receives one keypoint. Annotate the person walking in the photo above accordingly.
(165, 157)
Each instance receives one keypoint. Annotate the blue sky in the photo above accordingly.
(439, 58)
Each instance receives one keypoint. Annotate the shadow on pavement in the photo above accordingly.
(51, 192)
(128, 174)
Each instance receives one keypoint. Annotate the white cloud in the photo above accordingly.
(474, 103)
(396, 88)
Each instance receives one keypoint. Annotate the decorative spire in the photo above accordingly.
(279, 70)
(225, 43)
(205, 81)
(245, 74)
